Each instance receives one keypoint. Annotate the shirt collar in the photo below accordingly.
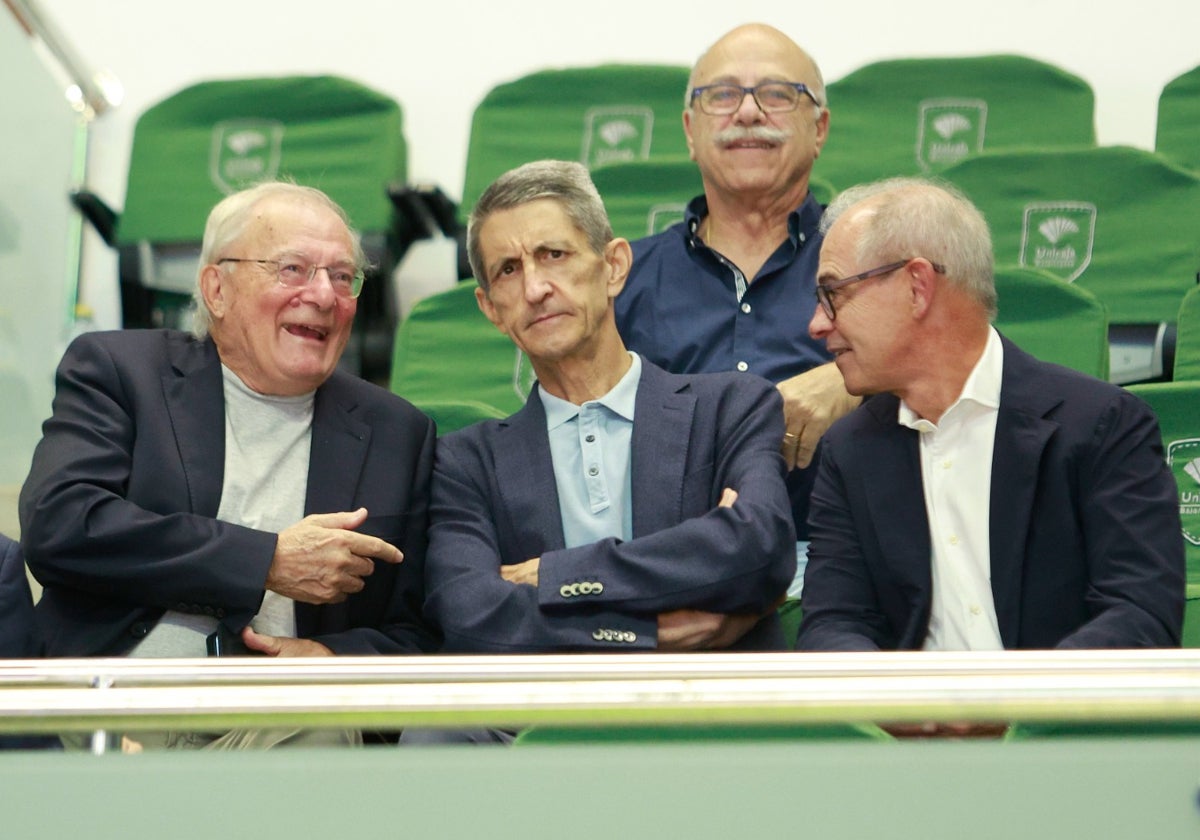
(982, 386)
(620, 400)
(802, 222)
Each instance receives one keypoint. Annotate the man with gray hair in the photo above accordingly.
(232, 491)
(623, 508)
(982, 499)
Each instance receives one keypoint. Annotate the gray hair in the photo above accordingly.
(566, 182)
(918, 217)
(227, 221)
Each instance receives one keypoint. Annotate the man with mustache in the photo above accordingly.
(725, 289)
(231, 488)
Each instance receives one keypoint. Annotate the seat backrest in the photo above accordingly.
(1055, 321)
(646, 197)
(1177, 405)
(452, 363)
(598, 115)
(212, 139)
(1116, 221)
(1187, 337)
(918, 115)
(1178, 118)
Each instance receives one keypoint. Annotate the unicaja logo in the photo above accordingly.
(1184, 458)
(949, 130)
(244, 152)
(1058, 237)
(662, 216)
(616, 134)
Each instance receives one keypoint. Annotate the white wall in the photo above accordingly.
(439, 58)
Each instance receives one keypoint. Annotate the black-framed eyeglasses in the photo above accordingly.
(825, 290)
(345, 278)
(771, 97)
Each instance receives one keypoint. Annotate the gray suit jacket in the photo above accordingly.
(118, 513)
(1086, 545)
(495, 501)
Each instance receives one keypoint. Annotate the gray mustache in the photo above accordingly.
(751, 132)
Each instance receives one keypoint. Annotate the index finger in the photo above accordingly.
(365, 545)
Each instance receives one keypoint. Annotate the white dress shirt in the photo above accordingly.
(956, 476)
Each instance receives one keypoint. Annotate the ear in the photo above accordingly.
(822, 129)
(923, 287)
(619, 257)
(488, 308)
(687, 132)
(214, 290)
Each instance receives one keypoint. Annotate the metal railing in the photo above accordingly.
(80, 695)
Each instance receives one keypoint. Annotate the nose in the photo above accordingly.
(820, 326)
(537, 283)
(319, 290)
(749, 111)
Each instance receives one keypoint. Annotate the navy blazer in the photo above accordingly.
(19, 638)
(495, 502)
(1086, 545)
(118, 513)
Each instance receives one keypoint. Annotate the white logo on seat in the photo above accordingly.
(948, 130)
(616, 134)
(244, 152)
(1058, 236)
(1183, 456)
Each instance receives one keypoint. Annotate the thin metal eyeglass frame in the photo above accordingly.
(800, 87)
(356, 289)
(823, 289)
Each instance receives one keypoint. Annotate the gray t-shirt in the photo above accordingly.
(267, 444)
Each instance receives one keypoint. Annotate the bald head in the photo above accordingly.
(752, 41)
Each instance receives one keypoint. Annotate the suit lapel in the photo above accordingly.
(195, 402)
(339, 447)
(895, 498)
(525, 475)
(663, 413)
(1022, 433)
(336, 455)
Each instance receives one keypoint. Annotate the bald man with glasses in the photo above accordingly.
(721, 291)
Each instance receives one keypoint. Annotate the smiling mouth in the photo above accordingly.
(750, 144)
(307, 332)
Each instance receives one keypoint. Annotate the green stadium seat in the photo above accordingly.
(1108, 220)
(918, 115)
(1055, 321)
(1179, 119)
(213, 138)
(646, 197)
(600, 115)
(1177, 405)
(1187, 337)
(452, 363)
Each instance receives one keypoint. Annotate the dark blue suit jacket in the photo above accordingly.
(1086, 546)
(495, 501)
(118, 513)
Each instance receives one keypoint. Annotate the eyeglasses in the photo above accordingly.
(345, 278)
(771, 97)
(825, 290)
